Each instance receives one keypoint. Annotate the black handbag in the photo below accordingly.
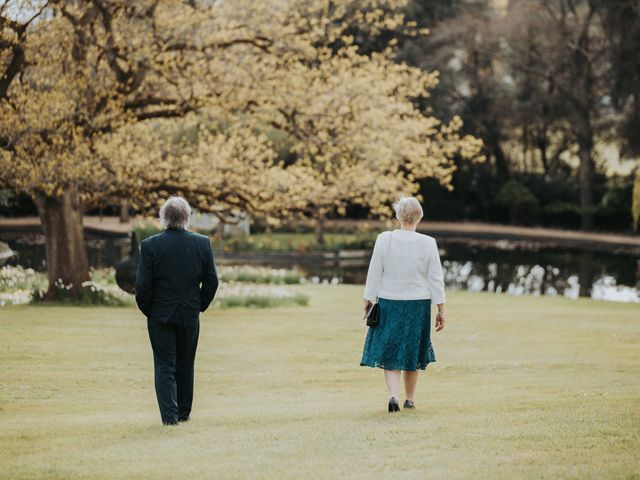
(373, 315)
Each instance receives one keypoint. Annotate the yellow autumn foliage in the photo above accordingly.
(119, 99)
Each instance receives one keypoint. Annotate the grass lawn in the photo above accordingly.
(523, 388)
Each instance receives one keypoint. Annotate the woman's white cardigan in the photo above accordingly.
(408, 268)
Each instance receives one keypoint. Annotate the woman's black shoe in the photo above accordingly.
(408, 404)
(393, 405)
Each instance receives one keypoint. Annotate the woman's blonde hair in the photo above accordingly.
(408, 210)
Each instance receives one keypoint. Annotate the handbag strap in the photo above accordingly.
(386, 256)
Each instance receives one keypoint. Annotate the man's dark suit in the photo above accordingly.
(176, 281)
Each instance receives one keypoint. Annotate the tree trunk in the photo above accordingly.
(585, 146)
(124, 211)
(320, 229)
(542, 147)
(67, 260)
(586, 275)
(493, 139)
(585, 93)
(635, 205)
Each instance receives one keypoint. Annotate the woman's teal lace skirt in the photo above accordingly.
(402, 339)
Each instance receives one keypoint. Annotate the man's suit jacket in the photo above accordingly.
(176, 269)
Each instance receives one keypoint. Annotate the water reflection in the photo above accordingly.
(102, 252)
(543, 272)
(536, 280)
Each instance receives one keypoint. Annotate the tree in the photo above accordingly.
(522, 78)
(76, 74)
(538, 116)
(621, 21)
(464, 48)
(353, 116)
(568, 55)
(223, 164)
(112, 99)
(358, 145)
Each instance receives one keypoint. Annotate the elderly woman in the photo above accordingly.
(405, 278)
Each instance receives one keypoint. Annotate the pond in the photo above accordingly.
(542, 272)
(474, 266)
(30, 250)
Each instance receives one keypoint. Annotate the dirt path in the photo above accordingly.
(618, 243)
(450, 230)
(106, 225)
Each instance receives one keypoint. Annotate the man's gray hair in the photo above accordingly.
(175, 213)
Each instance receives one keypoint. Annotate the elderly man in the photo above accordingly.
(176, 281)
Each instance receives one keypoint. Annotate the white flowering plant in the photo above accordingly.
(18, 278)
(247, 286)
(17, 284)
(233, 294)
(20, 285)
(260, 275)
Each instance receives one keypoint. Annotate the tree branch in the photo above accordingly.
(17, 63)
(149, 101)
(167, 113)
(263, 43)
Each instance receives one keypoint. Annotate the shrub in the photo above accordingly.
(297, 242)
(519, 200)
(564, 214)
(614, 210)
(147, 229)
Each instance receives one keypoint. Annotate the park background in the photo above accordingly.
(291, 126)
